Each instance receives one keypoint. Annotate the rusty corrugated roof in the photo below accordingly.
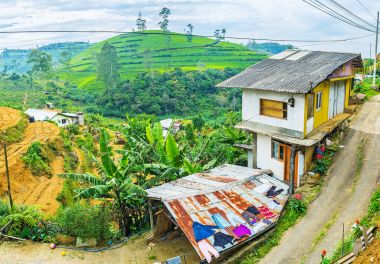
(229, 199)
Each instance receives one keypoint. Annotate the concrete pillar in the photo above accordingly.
(254, 151)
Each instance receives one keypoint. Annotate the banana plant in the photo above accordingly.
(116, 182)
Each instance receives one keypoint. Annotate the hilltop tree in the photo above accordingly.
(164, 14)
(65, 57)
(189, 32)
(140, 23)
(223, 31)
(42, 62)
(108, 67)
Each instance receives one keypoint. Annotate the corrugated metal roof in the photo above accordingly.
(236, 201)
(41, 115)
(218, 177)
(291, 71)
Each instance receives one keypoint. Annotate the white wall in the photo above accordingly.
(69, 121)
(264, 157)
(251, 109)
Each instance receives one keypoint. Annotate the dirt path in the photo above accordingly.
(135, 251)
(26, 188)
(9, 117)
(343, 199)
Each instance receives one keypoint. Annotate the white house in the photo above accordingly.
(62, 119)
(291, 101)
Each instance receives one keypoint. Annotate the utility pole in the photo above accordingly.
(375, 58)
(7, 173)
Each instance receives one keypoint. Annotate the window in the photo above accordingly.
(278, 150)
(310, 105)
(273, 108)
(318, 100)
(63, 121)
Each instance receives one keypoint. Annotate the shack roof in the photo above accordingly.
(233, 205)
(216, 178)
(293, 71)
(41, 114)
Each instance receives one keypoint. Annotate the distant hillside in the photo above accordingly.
(15, 60)
(153, 51)
(268, 47)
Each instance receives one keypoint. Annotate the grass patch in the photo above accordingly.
(16, 133)
(36, 159)
(365, 87)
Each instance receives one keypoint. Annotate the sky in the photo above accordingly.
(272, 19)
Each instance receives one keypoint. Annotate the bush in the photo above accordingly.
(85, 221)
(36, 159)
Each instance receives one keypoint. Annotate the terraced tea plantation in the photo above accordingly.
(153, 51)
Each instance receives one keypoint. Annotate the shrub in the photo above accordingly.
(85, 221)
(44, 231)
(36, 159)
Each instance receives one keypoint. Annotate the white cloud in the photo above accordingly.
(275, 19)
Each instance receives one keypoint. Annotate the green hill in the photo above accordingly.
(154, 51)
(16, 60)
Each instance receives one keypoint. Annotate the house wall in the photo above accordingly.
(69, 120)
(293, 124)
(309, 151)
(264, 157)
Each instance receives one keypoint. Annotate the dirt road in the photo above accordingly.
(26, 188)
(8, 117)
(343, 198)
(136, 251)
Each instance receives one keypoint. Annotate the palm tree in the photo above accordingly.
(116, 182)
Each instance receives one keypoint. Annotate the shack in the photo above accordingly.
(219, 209)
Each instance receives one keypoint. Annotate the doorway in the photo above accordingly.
(287, 166)
(336, 98)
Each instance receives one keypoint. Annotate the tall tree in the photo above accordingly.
(42, 62)
(189, 32)
(108, 67)
(140, 23)
(164, 14)
(223, 31)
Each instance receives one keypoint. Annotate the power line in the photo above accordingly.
(331, 12)
(366, 9)
(168, 33)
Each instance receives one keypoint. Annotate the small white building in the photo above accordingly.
(62, 119)
(170, 124)
(291, 102)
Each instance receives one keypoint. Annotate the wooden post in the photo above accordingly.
(365, 236)
(150, 215)
(7, 174)
(254, 150)
(291, 168)
(342, 242)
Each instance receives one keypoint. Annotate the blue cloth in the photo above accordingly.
(220, 221)
(175, 260)
(202, 231)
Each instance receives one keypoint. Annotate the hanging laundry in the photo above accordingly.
(203, 231)
(272, 192)
(263, 187)
(249, 217)
(242, 230)
(220, 221)
(222, 239)
(234, 219)
(208, 250)
(268, 214)
(252, 209)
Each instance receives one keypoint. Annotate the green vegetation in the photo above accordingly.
(372, 217)
(36, 159)
(16, 60)
(85, 221)
(14, 134)
(365, 87)
(152, 51)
